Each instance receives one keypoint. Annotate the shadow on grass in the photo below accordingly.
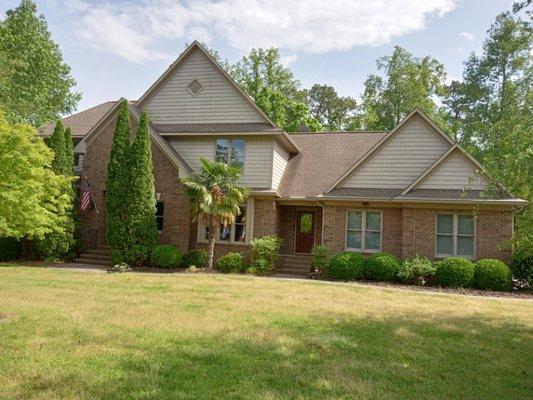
(318, 358)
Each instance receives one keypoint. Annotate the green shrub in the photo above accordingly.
(266, 248)
(455, 272)
(196, 257)
(261, 267)
(382, 267)
(522, 262)
(10, 249)
(165, 256)
(347, 266)
(491, 275)
(231, 263)
(418, 270)
(321, 259)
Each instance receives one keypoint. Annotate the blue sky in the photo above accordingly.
(119, 47)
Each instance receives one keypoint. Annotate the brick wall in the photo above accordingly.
(266, 217)
(176, 214)
(287, 229)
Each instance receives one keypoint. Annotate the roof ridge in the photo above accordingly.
(332, 133)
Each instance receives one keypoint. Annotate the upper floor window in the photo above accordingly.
(230, 151)
(363, 230)
(455, 235)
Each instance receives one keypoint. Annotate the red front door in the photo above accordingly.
(305, 231)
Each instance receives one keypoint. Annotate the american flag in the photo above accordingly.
(86, 195)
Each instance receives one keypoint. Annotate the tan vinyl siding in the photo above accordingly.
(455, 172)
(217, 102)
(257, 157)
(279, 164)
(401, 159)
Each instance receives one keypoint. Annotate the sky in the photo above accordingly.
(118, 48)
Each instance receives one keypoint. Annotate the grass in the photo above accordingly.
(72, 335)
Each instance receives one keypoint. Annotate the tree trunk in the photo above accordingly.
(211, 245)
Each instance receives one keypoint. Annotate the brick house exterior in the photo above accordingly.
(411, 190)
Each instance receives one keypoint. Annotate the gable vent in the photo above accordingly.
(195, 87)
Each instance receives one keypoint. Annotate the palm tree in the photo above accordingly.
(215, 198)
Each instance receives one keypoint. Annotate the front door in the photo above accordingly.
(305, 231)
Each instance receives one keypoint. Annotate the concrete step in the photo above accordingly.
(296, 266)
(105, 252)
(96, 256)
(295, 272)
(93, 261)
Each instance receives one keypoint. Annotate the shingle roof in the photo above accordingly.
(323, 158)
(81, 122)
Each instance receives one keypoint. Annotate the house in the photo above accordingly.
(407, 191)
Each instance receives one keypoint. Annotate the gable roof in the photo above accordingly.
(385, 138)
(163, 145)
(323, 157)
(81, 122)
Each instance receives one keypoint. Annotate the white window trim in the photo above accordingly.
(455, 234)
(363, 230)
(230, 140)
(200, 237)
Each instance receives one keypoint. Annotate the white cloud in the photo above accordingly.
(133, 29)
(467, 36)
(288, 60)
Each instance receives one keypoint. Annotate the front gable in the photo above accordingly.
(400, 158)
(196, 90)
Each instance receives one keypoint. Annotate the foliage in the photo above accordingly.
(141, 226)
(491, 275)
(321, 258)
(232, 262)
(382, 267)
(33, 202)
(408, 82)
(333, 112)
(118, 186)
(416, 270)
(215, 197)
(61, 245)
(120, 267)
(455, 272)
(195, 257)
(165, 256)
(522, 262)
(261, 266)
(10, 248)
(492, 109)
(274, 89)
(38, 85)
(265, 251)
(347, 266)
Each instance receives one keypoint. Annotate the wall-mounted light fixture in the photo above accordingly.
(158, 196)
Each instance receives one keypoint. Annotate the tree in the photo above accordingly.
(408, 82)
(141, 223)
(58, 145)
(33, 202)
(69, 152)
(215, 197)
(38, 86)
(335, 113)
(118, 184)
(493, 107)
(274, 89)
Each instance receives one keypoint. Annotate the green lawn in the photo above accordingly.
(74, 335)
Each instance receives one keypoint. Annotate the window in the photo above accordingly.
(455, 235)
(234, 233)
(195, 87)
(363, 231)
(230, 151)
(159, 211)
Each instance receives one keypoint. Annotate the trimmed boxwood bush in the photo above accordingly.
(455, 272)
(196, 257)
(522, 263)
(382, 267)
(10, 249)
(231, 263)
(347, 266)
(165, 256)
(491, 275)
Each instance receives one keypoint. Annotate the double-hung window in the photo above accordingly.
(363, 231)
(159, 212)
(234, 233)
(455, 235)
(230, 151)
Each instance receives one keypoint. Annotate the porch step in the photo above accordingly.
(102, 252)
(84, 259)
(99, 256)
(295, 264)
